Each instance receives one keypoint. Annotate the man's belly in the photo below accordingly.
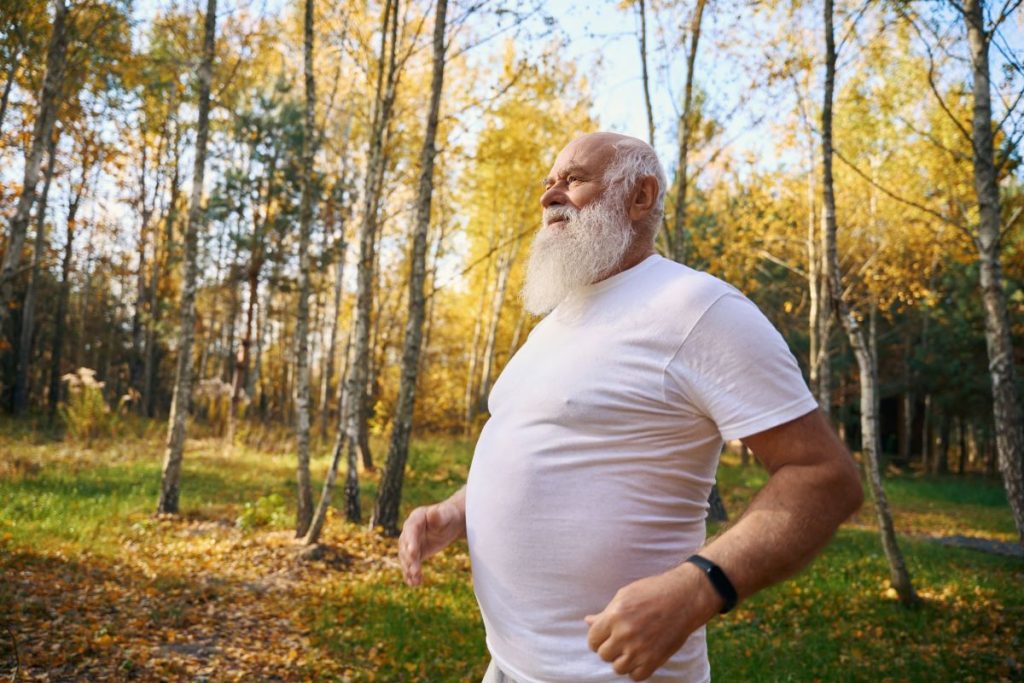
(555, 530)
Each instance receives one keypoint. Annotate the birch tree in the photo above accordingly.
(687, 119)
(990, 231)
(28, 307)
(171, 474)
(390, 496)
(863, 351)
(352, 436)
(304, 510)
(46, 115)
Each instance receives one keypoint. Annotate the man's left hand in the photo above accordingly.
(649, 620)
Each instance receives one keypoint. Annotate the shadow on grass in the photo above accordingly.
(947, 489)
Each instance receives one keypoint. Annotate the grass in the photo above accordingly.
(98, 589)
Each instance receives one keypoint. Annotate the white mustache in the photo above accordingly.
(559, 213)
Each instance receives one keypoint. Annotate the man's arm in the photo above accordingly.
(427, 531)
(813, 487)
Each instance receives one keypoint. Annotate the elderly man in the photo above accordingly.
(585, 505)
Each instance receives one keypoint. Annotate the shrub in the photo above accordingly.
(86, 414)
(266, 511)
(212, 400)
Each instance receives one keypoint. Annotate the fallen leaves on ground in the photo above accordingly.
(187, 599)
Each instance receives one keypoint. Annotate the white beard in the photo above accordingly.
(586, 248)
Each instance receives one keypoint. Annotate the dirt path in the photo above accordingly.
(986, 545)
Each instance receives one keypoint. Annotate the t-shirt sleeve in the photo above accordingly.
(735, 368)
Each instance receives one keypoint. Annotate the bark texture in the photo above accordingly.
(678, 241)
(641, 9)
(1009, 429)
(352, 399)
(60, 319)
(46, 116)
(304, 493)
(862, 350)
(358, 375)
(386, 512)
(170, 479)
(28, 308)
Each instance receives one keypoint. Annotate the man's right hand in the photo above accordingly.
(427, 531)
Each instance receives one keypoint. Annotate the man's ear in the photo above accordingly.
(642, 199)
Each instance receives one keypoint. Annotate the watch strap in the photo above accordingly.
(721, 583)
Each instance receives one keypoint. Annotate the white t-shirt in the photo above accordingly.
(595, 467)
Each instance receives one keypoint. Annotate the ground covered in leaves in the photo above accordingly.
(94, 587)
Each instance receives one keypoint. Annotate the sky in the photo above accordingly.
(601, 42)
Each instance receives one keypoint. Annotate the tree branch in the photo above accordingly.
(853, 25)
(892, 195)
(957, 156)
(768, 256)
(490, 252)
(1010, 221)
(931, 78)
(1005, 12)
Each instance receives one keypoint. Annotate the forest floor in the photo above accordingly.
(94, 587)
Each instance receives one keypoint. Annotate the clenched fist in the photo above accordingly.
(649, 620)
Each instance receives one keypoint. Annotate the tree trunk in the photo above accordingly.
(504, 268)
(46, 115)
(63, 297)
(819, 312)
(316, 525)
(927, 448)
(12, 69)
(140, 316)
(239, 378)
(59, 323)
(642, 11)
(1009, 428)
(906, 412)
(21, 378)
(171, 474)
(685, 133)
(961, 425)
(471, 404)
(357, 378)
(390, 497)
(942, 452)
(898, 573)
(517, 332)
(161, 269)
(332, 345)
(304, 493)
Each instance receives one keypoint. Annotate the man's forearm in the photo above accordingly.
(789, 521)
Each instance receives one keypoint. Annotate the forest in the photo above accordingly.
(261, 265)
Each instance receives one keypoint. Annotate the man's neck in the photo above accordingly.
(637, 253)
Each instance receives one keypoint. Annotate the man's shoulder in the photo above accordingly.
(675, 284)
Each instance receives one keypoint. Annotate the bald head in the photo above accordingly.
(595, 165)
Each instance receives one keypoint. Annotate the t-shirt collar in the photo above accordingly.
(614, 280)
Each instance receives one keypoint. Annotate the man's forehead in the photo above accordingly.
(590, 152)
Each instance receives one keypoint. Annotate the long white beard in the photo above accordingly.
(589, 245)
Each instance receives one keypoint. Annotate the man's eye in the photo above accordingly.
(573, 179)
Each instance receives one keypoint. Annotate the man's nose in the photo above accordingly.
(553, 196)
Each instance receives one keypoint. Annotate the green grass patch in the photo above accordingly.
(385, 631)
(837, 621)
